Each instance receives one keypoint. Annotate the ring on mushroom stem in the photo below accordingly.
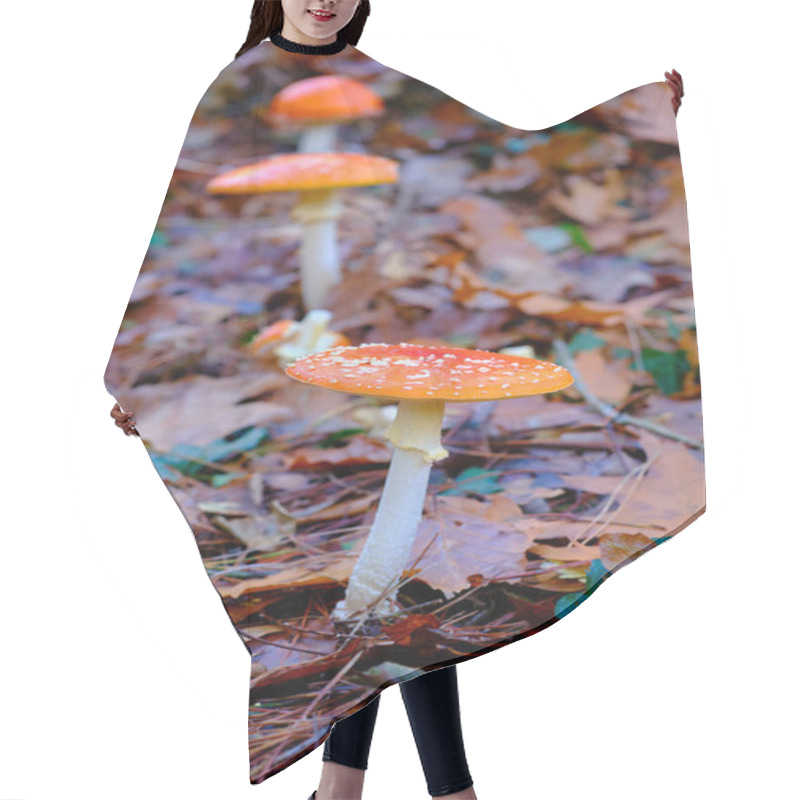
(422, 378)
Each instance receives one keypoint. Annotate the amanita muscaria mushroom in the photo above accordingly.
(319, 104)
(318, 177)
(291, 339)
(422, 378)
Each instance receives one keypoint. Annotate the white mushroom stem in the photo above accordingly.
(308, 336)
(318, 138)
(416, 435)
(318, 212)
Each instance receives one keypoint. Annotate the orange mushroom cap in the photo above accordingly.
(425, 372)
(273, 333)
(325, 98)
(306, 171)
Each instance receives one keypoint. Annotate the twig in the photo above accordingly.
(319, 695)
(287, 646)
(608, 410)
(188, 165)
(633, 338)
(639, 472)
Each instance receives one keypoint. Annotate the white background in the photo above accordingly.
(123, 678)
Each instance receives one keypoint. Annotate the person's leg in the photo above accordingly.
(346, 754)
(433, 710)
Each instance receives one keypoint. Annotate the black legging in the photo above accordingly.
(431, 701)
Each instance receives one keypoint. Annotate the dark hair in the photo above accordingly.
(266, 18)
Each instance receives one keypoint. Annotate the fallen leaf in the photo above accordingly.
(359, 449)
(460, 535)
(618, 547)
(610, 380)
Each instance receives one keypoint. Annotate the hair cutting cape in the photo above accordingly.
(568, 245)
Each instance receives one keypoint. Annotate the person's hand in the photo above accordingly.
(675, 82)
(124, 420)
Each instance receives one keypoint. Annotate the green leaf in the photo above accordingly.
(188, 267)
(594, 577)
(550, 238)
(234, 443)
(185, 449)
(337, 438)
(477, 480)
(577, 235)
(168, 464)
(585, 339)
(191, 460)
(164, 466)
(223, 478)
(515, 144)
(667, 369)
(158, 239)
(568, 602)
(674, 330)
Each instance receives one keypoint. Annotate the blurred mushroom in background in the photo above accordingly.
(318, 177)
(318, 106)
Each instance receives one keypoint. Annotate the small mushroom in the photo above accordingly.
(318, 177)
(320, 104)
(422, 378)
(374, 419)
(524, 350)
(291, 339)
